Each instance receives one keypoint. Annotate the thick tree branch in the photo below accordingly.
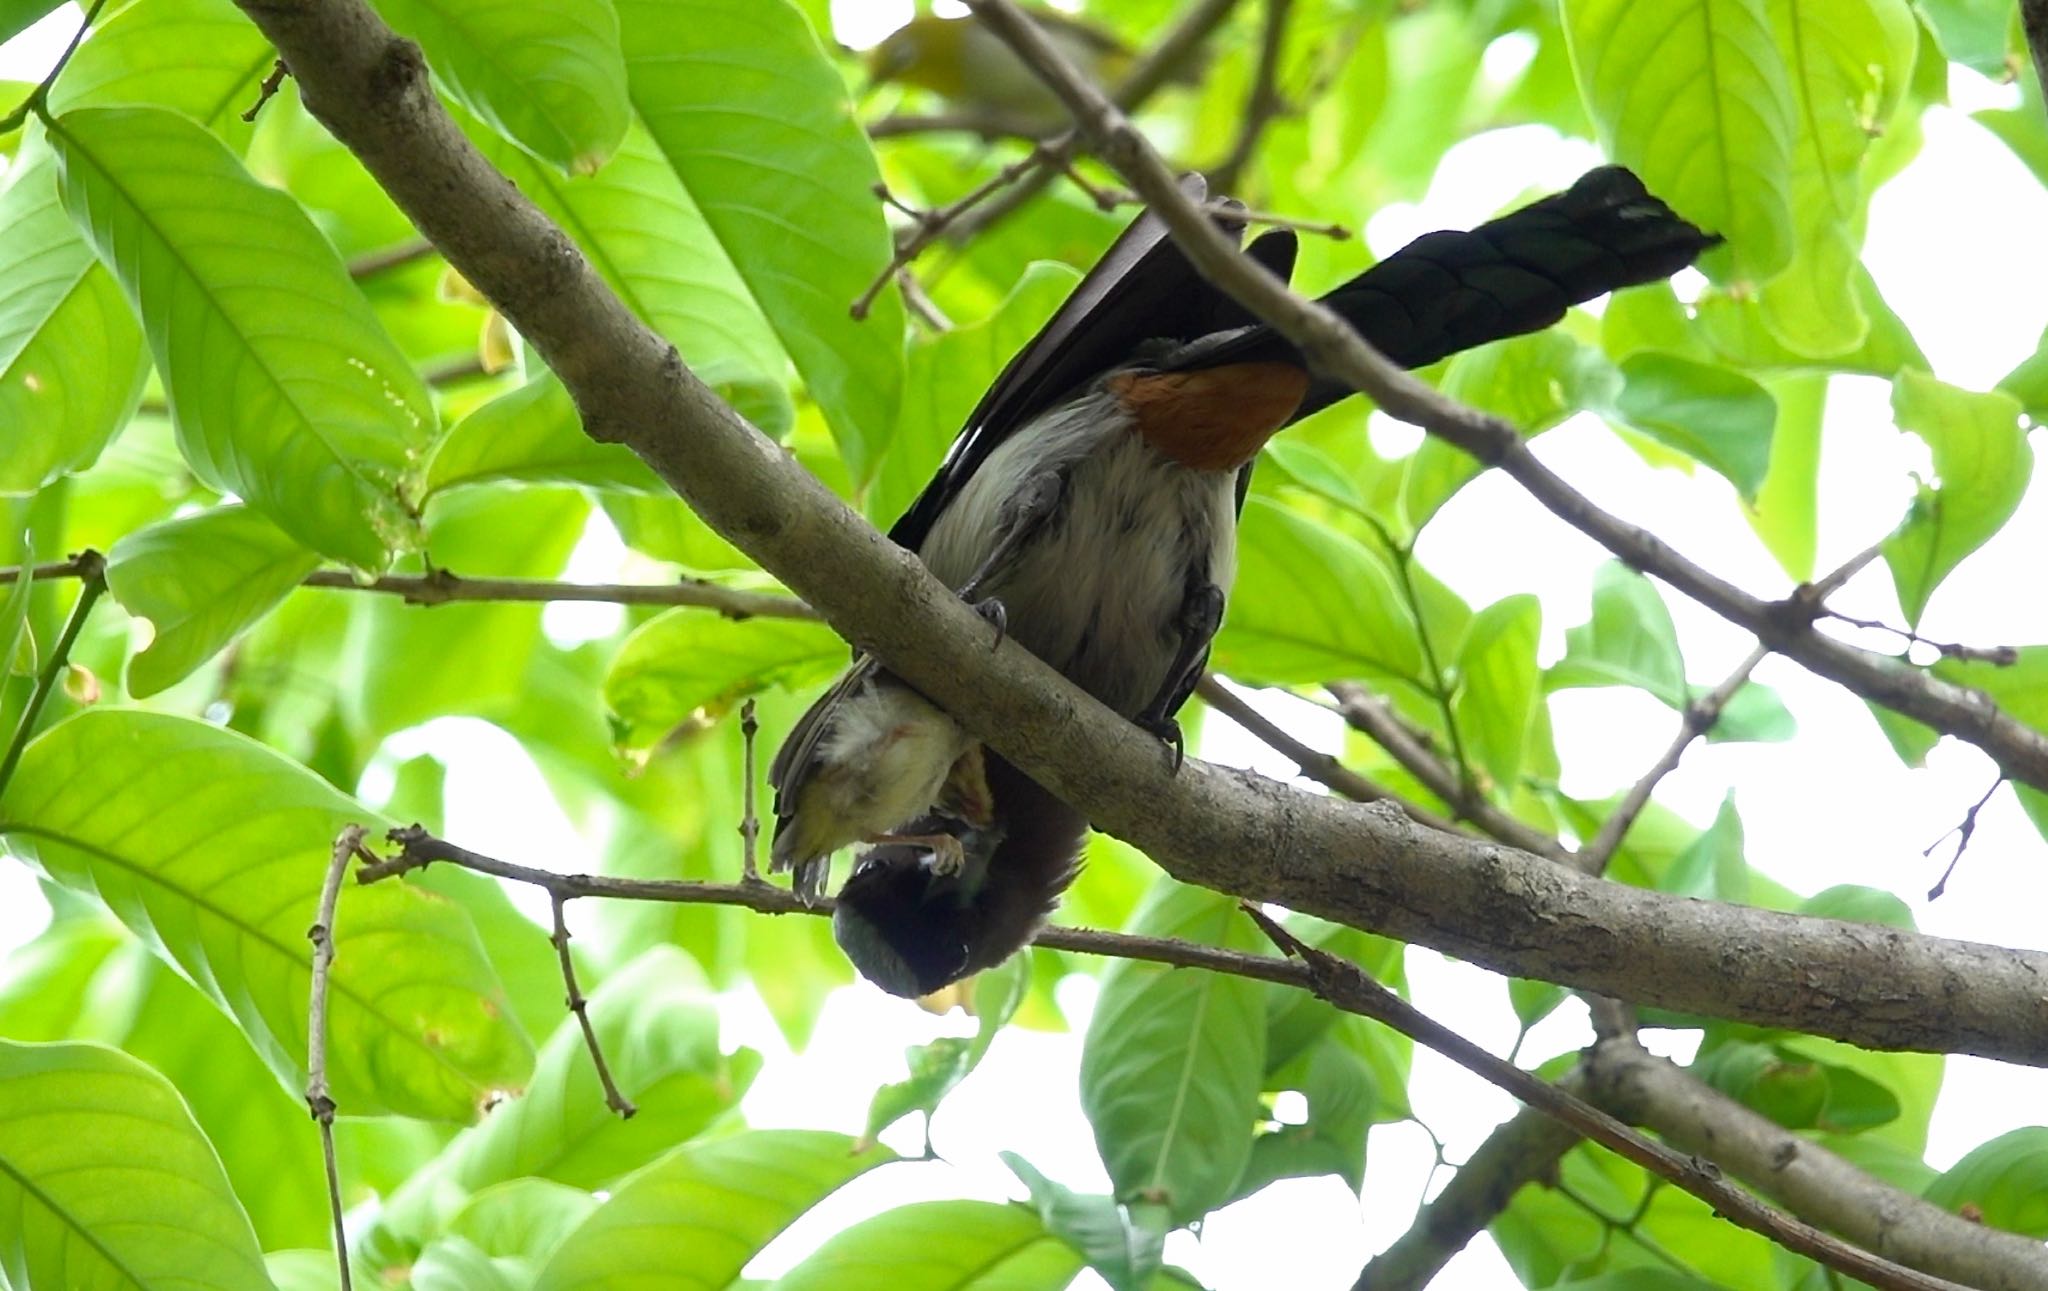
(1647, 1090)
(1368, 865)
(1335, 348)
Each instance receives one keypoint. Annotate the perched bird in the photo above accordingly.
(1095, 491)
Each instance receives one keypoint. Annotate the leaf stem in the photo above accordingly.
(93, 575)
(41, 93)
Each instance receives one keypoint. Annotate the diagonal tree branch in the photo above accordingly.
(1333, 347)
(1364, 865)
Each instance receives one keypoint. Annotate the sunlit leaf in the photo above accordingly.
(203, 58)
(1982, 465)
(1784, 510)
(1124, 1243)
(286, 390)
(1712, 414)
(755, 121)
(1499, 685)
(2005, 1181)
(683, 660)
(1629, 641)
(212, 848)
(107, 1182)
(939, 1246)
(937, 1067)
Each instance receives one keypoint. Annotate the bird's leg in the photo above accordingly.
(947, 855)
(1200, 615)
(1022, 515)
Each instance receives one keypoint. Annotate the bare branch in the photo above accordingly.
(267, 91)
(750, 820)
(441, 588)
(370, 264)
(347, 844)
(1963, 832)
(1263, 104)
(1693, 1117)
(2002, 656)
(580, 1006)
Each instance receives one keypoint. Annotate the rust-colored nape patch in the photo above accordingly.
(1214, 419)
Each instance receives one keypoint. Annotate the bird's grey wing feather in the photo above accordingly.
(797, 758)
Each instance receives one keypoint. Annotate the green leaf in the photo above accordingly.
(1629, 641)
(1713, 867)
(683, 660)
(548, 75)
(1754, 713)
(936, 1068)
(1912, 741)
(1533, 382)
(2028, 382)
(1125, 1244)
(1783, 513)
(1715, 137)
(1311, 603)
(200, 581)
(1534, 1001)
(1499, 685)
(1848, 65)
(1171, 1067)
(754, 119)
(212, 848)
(71, 356)
(947, 375)
(17, 16)
(532, 434)
(202, 58)
(1316, 472)
(1982, 464)
(285, 388)
(1712, 414)
(645, 234)
(1860, 904)
(14, 609)
(1734, 328)
(1971, 32)
(720, 1201)
(106, 1181)
(939, 1246)
(2005, 1180)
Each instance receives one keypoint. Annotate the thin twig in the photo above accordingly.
(319, 1102)
(1962, 832)
(2003, 656)
(580, 1006)
(1263, 104)
(92, 568)
(991, 126)
(1344, 984)
(267, 90)
(1323, 768)
(1376, 718)
(372, 263)
(750, 820)
(1332, 346)
(442, 587)
(40, 95)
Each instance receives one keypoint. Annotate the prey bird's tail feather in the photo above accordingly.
(1451, 291)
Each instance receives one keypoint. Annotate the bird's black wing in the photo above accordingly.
(1143, 289)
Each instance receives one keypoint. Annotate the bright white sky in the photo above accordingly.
(1834, 806)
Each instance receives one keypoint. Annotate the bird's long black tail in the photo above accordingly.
(1451, 291)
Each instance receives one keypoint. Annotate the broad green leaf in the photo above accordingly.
(71, 356)
(1171, 1067)
(1342, 1090)
(1310, 468)
(455, 1263)
(645, 233)
(1783, 513)
(939, 1246)
(1982, 464)
(1712, 414)
(754, 119)
(1694, 96)
(2028, 382)
(521, 1221)
(1125, 1244)
(1713, 867)
(212, 848)
(1860, 904)
(409, 663)
(106, 1181)
(532, 434)
(286, 390)
(720, 1201)
(1499, 685)
(683, 660)
(1971, 32)
(1847, 64)
(1296, 1021)
(937, 1067)
(199, 581)
(203, 58)
(548, 75)
(1753, 714)
(1912, 741)
(1534, 1001)
(1734, 328)
(1629, 641)
(14, 609)
(2020, 689)
(1311, 603)
(17, 16)
(947, 375)
(2005, 1180)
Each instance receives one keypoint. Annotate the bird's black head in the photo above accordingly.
(907, 928)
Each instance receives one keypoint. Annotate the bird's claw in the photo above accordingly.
(992, 609)
(1166, 731)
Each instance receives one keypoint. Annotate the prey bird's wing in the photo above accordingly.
(1143, 289)
(797, 758)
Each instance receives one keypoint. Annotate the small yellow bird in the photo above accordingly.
(965, 63)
